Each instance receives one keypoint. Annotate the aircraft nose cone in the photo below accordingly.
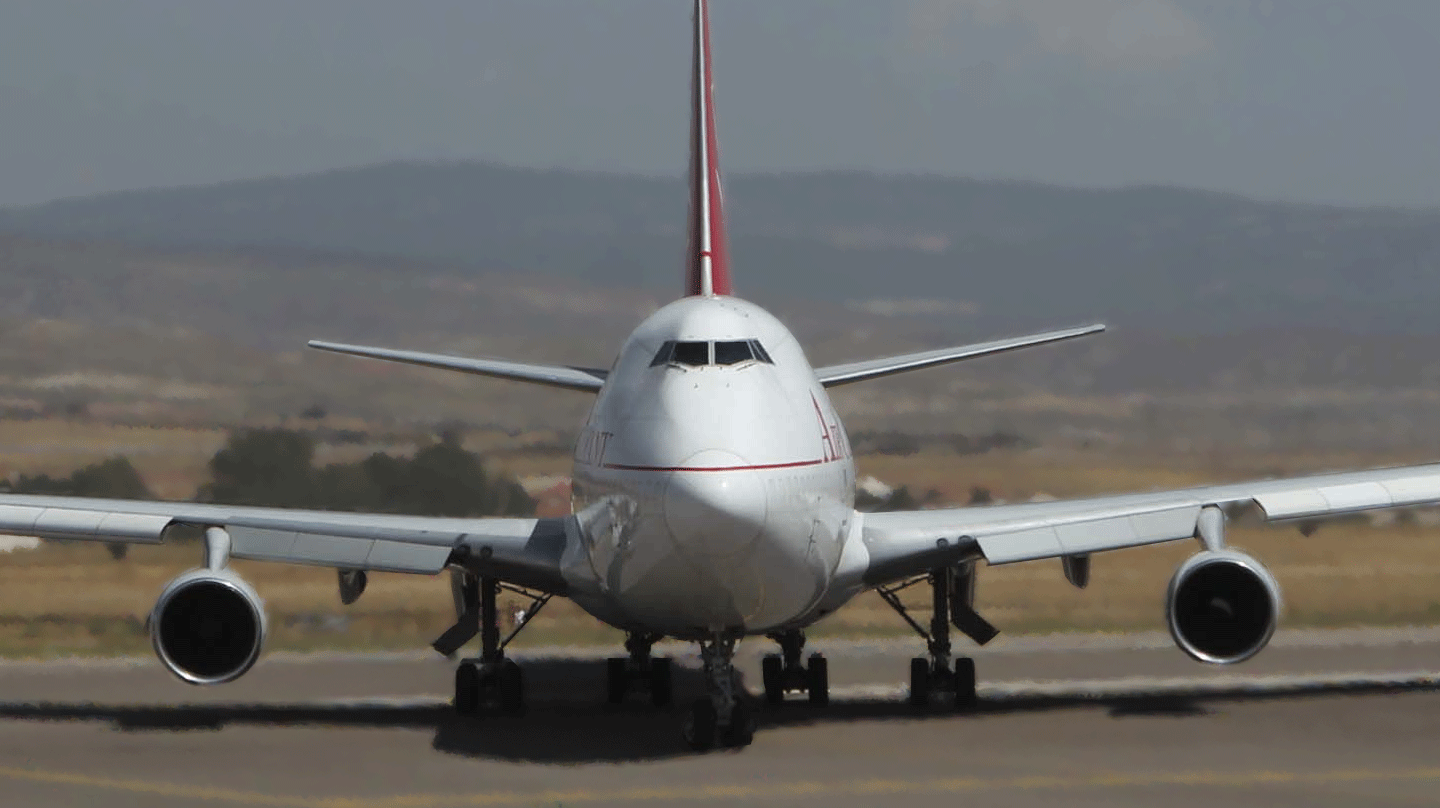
(714, 506)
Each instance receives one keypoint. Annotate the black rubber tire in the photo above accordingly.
(740, 732)
(662, 682)
(920, 683)
(772, 670)
(510, 682)
(700, 726)
(965, 698)
(467, 689)
(817, 680)
(617, 679)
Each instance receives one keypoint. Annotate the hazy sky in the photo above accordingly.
(1321, 100)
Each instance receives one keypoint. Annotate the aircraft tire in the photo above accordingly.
(700, 726)
(772, 670)
(662, 692)
(920, 683)
(817, 676)
(740, 732)
(511, 684)
(617, 679)
(965, 698)
(467, 689)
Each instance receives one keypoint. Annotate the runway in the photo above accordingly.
(1320, 718)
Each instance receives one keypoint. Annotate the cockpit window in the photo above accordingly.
(760, 352)
(733, 353)
(663, 355)
(698, 354)
(694, 354)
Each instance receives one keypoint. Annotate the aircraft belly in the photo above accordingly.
(686, 594)
(651, 573)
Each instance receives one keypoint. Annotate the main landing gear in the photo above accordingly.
(640, 671)
(723, 717)
(490, 683)
(784, 672)
(932, 678)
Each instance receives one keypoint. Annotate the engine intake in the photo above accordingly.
(1222, 607)
(208, 627)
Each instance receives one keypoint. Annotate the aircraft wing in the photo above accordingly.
(526, 552)
(835, 375)
(570, 378)
(903, 544)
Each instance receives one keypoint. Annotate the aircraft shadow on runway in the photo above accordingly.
(568, 723)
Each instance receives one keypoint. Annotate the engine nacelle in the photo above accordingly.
(208, 627)
(1222, 606)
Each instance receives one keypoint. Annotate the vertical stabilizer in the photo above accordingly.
(707, 255)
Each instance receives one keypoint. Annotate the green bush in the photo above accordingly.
(275, 467)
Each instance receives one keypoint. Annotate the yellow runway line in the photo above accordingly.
(759, 791)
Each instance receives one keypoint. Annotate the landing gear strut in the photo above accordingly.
(639, 670)
(784, 672)
(723, 717)
(490, 683)
(935, 677)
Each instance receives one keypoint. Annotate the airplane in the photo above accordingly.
(714, 501)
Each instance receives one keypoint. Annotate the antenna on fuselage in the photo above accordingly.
(707, 255)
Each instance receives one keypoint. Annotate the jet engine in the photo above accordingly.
(208, 626)
(1222, 606)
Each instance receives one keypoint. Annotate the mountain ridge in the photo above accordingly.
(1017, 254)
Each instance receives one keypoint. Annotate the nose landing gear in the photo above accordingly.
(723, 717)
(784, 672)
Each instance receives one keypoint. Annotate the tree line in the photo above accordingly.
(276, 468)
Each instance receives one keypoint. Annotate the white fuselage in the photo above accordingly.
(715, 485)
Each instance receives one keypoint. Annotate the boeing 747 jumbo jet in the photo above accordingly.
(713, 501)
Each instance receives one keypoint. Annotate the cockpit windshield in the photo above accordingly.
(733, 353)
(694, 354)
(699, 354)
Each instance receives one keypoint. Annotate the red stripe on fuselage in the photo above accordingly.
(761, 467)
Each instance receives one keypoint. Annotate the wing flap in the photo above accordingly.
(1087, 534)
(347, 552)
(1345, 497)
(81, 524)
(570, 378)
(835, 375)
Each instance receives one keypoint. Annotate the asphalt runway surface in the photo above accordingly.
(1318, 719)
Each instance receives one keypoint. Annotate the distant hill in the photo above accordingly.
(196, 336)
(997, 255)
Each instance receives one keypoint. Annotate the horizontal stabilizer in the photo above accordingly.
(570, 378)
(875, 368)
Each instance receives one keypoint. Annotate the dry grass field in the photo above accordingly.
(75, 599)
(171, 459)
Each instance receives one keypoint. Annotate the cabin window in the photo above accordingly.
(733, 353)
(694, 354)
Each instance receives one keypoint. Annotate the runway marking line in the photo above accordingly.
(697, 793)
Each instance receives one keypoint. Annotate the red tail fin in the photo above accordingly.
(707, 254)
